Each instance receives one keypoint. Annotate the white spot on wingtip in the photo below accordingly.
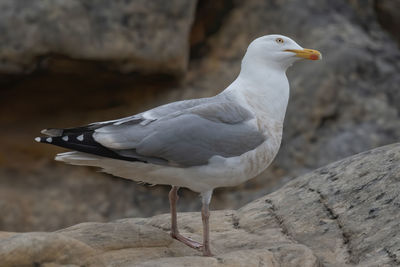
(65, 138)
(49, 140)
(80, 137)
(37, 139)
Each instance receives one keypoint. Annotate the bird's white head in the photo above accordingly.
(278, 51)
(262, 79)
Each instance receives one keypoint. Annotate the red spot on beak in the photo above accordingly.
(314, 57)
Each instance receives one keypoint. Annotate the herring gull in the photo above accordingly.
(200, 144)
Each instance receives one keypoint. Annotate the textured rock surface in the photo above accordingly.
(349, 210)
(388, 15)
(345, 104)
(344, 214)
(133, 35)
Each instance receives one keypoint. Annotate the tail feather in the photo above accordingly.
(118, 168)
(52, 132)
(77, 158)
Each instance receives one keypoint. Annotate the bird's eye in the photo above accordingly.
(279, 40)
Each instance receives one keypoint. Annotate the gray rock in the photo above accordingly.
(388, 16)
(349, 210)
(344, 214)
(347, 103)
(133, 35)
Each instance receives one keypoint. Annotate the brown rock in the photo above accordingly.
(30, 248)
(344, 214)
(146, 242)
(388, 15)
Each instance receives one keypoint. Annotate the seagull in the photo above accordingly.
(200, 144)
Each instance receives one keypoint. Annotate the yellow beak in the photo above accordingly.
(306, 53)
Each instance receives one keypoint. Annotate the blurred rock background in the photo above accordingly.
(69, 62)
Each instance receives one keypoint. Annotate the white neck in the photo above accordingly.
(263, 87)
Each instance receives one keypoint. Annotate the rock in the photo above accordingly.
(147, 242)
(345, 104)
(51, 203)
(133, 35)
(344, 214)
(387, 12)
(349, 209)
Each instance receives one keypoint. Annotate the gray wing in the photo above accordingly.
(188, 137)
(152, 114)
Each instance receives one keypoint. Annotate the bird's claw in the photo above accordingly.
(187, 241)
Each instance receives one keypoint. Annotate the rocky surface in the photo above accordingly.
(345, 104)
(388, 16)
(344, 214)
(133, 35)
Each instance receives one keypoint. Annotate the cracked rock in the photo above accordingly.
(344, 214)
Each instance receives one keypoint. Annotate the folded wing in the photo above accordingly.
(187, 138)
(184, 138)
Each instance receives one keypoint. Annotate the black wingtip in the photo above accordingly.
(84, 142)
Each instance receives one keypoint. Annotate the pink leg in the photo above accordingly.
(173, 199)
(205, 215)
